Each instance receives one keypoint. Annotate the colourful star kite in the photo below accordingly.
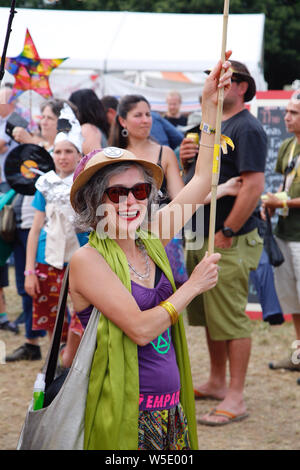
(30, 71)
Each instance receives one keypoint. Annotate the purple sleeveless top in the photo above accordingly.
(158, 370)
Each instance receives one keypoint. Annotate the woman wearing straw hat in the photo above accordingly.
(140, 392)
(132, 131)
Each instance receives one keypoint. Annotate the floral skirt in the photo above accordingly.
(163, 430)
(45, 305)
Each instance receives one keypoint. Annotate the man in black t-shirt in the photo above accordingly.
(222, 309)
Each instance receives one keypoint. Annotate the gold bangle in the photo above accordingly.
(284, 204)
(171, 311)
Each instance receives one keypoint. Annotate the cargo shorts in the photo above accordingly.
(222, 308)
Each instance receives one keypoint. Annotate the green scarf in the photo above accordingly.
(112, 409)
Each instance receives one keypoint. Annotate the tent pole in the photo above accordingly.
(10, 20)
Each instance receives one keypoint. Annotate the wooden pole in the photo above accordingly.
(30, 104)
(217, 151)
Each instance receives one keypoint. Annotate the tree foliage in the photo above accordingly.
(282, 26)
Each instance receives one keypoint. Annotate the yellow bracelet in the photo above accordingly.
(171, 311)
(284, 204)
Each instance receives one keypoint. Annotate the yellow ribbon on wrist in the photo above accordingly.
(171, 311)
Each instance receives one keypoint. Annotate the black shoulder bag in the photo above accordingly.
(274, 253)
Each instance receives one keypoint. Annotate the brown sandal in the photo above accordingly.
(231, 418)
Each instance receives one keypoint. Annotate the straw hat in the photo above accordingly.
(94, 161)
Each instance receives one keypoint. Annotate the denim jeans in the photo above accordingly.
(20, 259)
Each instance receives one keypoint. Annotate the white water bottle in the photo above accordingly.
(38, 392)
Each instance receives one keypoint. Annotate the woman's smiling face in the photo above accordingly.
(126, 216)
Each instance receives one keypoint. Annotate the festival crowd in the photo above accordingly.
(110, 211)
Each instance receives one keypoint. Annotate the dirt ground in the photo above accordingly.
(272, 397)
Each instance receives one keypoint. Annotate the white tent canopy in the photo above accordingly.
(110, 42)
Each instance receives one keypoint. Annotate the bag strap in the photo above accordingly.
(7, 198)
(290, 166)
(52, 356)
(269, 228)
(159, 156)
(269, 224)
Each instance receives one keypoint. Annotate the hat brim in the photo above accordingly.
(250, 93)
(92, 168)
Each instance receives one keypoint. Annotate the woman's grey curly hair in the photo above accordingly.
(89, 198)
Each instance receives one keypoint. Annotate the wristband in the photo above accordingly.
(29, 271)
(171, 311)
(207, 128)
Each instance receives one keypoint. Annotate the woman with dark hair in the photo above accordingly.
(92, 117)
(131, 131)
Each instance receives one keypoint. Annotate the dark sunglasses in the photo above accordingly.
(140, 191)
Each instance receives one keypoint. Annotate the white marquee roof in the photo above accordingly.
(114, 41)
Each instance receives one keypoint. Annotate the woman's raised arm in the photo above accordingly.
(170, 219)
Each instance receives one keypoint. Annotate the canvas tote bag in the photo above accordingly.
(60, 425)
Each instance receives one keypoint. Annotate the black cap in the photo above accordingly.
(241, 73)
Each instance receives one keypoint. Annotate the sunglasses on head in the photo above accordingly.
(140, 191)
